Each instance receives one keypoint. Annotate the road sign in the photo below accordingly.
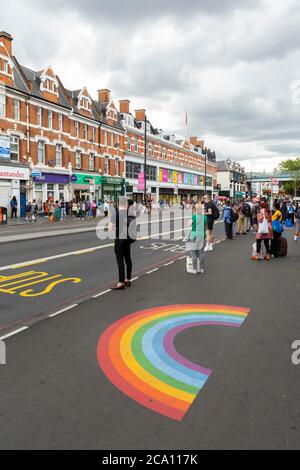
(36, 173)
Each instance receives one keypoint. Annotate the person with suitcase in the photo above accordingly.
(264, 231)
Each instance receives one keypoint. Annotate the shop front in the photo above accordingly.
(51, 187)
(90, 187)
(14, 179)
(112, 188)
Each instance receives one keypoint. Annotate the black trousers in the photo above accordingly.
(228, 230)
(266, 242)
(14, 211)
(123, 255)
(275, 243)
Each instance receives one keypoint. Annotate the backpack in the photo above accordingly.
(28, 207)
(246, 210)
(233, 216)
(215, 212)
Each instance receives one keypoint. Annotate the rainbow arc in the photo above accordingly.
(138, 355)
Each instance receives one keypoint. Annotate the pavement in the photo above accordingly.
(54, 395)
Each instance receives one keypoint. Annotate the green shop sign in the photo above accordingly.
(85, 179)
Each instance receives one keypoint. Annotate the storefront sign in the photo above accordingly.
(14, 173)
(4, 146)
(52, 178)
(141, 182)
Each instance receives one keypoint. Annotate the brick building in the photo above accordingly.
(175, 167)
(56, 143)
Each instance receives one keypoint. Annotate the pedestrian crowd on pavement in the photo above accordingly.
(267, 223)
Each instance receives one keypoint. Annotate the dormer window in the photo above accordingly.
(49, 84)
(112, 114)
(85, 103)
(5, 66)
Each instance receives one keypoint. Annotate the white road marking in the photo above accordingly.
(13, 333)
(134, 279)
(153, 271)
(63, 310)
(169, 264)
(74, 253)
(101, 293)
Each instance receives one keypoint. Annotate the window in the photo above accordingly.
(129, 144)
(117, 167)
(85, 132)
(5, 66)
(92, 162)
(14, 148)
(105, 138)
(60, 122)
(39, 116)
(134, 169)
(50, 119)
(78, 160)
(41, 152)
(136, 145)
(106, 167)
(2, 105)
(58, 154)
(77, 129)
(109, 138)
(93, 134)
(17, 110)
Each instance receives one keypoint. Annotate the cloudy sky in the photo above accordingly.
(235, 69)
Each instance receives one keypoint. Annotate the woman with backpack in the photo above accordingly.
(264, 231)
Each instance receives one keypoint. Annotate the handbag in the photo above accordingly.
(277, 226)
(189, 265)
(263, 228)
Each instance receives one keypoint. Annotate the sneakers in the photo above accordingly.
(209, 247)
(295, 239)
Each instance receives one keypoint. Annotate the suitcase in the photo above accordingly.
(282, 246)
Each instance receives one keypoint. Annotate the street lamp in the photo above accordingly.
(145, 161)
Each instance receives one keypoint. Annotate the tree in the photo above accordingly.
(292, 168)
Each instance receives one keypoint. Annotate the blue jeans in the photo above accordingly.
(198, 255)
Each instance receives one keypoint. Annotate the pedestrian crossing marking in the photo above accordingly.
(17, 283)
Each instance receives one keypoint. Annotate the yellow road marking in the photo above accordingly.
(18, 282)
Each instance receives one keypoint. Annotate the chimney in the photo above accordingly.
(104, 96)
(6, 39)
(193, 141)
(124, 106)
(140, 114)
(200, 143)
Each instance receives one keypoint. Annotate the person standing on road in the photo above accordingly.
(228, 220)
(297, 220)
(277, 229)
(14, 207)
(123, 222)
(264, 231)
(196, 239)
(209, 212)
(241, 222)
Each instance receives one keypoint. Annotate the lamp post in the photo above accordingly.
(205, 171)
(145, 161)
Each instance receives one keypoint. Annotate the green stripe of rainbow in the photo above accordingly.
(138, 356)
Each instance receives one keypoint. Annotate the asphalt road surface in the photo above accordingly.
(54, 395)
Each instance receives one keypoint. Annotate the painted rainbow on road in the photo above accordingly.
(138, 355)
